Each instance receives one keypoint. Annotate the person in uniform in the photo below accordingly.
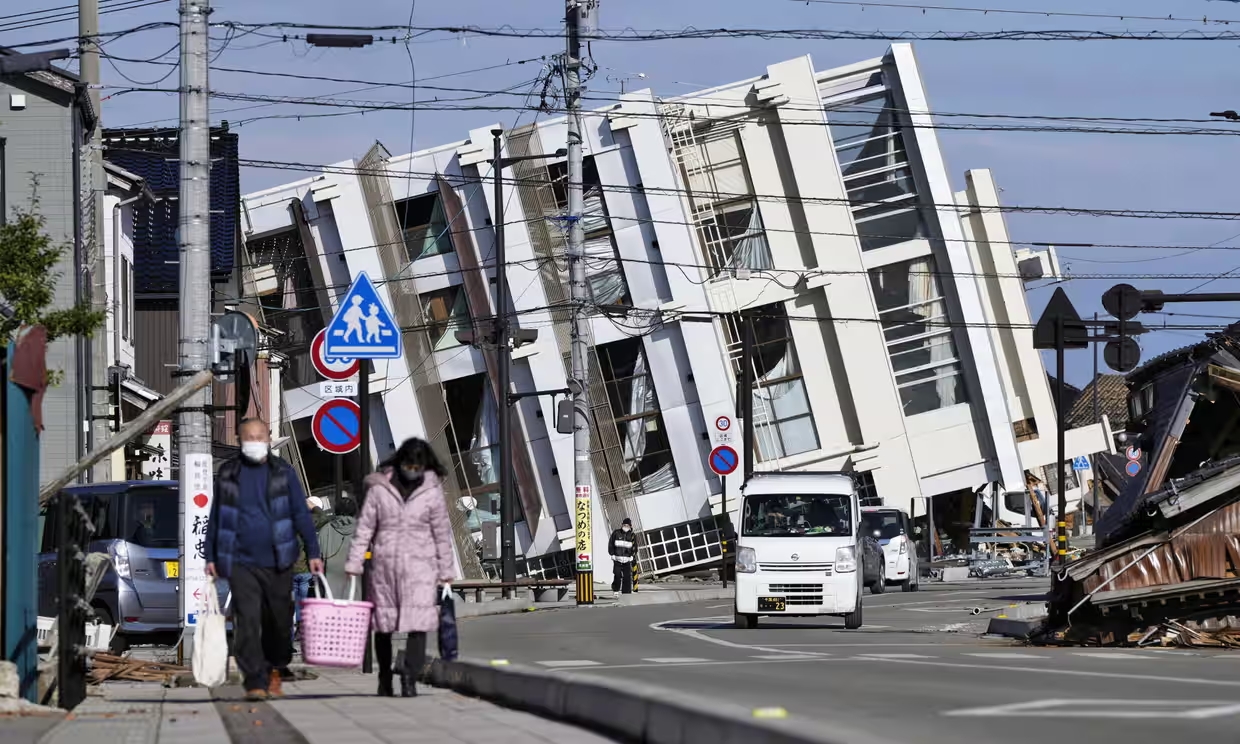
(622, 547)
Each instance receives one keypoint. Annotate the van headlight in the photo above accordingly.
(846, 559)
(746, 561)
(120, 559)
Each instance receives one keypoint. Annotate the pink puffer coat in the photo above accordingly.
(411, 552)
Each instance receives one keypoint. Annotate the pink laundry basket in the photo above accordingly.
(335, 631)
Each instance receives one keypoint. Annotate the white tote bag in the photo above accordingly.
(211, 642)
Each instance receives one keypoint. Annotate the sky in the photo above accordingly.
(1137, 79)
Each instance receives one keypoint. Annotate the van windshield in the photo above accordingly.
(797, 515)
(148, 517)
(883, 525)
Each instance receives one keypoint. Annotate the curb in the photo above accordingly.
(651, 717)
(674, 596)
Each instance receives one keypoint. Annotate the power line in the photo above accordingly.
(1013, 11)
(725, 196)
(1092, 125)
(70, 13)
(693, 33)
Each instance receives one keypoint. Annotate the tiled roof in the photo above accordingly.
(1112, 403)
(153, 155)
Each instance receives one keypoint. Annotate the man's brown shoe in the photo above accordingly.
(275, 685)
(256, 695)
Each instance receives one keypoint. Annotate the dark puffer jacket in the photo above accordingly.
(289, 517)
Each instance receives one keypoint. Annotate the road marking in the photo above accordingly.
(893, 656)
(715, 607)
(1001, 655)
(1111, 655)
(874, 645)
(743, 662)
(698, 635)
(1079, 708)
(787, 656)
(676, 660)
(569, 663)
(1070, 672)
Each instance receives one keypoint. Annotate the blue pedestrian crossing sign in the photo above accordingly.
(1080, 463)
(362, 327)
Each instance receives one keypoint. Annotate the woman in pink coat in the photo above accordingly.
(404, 523)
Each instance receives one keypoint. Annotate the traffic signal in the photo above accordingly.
(1122, 352)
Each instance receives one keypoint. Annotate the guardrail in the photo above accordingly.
(615, 709)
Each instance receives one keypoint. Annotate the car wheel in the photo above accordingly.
(120, 643)
(852, 620)
(746, 622)
(879, 586)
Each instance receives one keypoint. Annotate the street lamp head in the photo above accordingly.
(1229, 115)
(496, 132)
(561, 153)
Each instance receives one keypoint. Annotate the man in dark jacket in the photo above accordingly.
(258, 513)
(622, 547)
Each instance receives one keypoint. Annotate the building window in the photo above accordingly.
(423, 225)
(877, 174)
(867, 492)
(473, 421)
(725, 210)
(919, 336)
(126, 301)
(783, 421)
(635, 409)
(604, 276)
(445, 312)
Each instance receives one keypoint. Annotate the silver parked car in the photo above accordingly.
(137, 525)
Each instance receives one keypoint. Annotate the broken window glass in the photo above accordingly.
(474, 446)
(424, 226)
(445, 311)
(720, 191)
(646, 450)
(783, 420)
(919, 337)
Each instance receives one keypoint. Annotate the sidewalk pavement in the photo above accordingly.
(339, 706)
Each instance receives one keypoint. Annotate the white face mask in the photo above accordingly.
(627, 528)
(255, 451)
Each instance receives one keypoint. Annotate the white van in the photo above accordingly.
(894, 532)
(799, 549)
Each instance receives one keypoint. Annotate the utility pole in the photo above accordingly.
(193, 419)
(93, 273)
(1097, 479)
(580, 15)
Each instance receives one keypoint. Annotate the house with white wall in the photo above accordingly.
(888, 311)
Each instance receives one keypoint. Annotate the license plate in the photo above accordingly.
(770, 604)
(172, 569)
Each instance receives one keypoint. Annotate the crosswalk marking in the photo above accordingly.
(997, 655)
(567, 663)
(676, 660)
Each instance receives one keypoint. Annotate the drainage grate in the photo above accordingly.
(255, 723)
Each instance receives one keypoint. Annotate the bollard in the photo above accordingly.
(635, 575)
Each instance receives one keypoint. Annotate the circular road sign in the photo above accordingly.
(723, 423)
(1133, 453)
(331, 367)
(1123, 301)
(724, 460)
(337, 426)
(1132, 468)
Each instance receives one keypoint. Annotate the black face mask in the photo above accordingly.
(411, 479)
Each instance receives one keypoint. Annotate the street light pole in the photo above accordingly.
(501, 338)
(507, 522)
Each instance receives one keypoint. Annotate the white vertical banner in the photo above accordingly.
(196, 469)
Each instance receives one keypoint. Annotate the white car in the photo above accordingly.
(894, 532)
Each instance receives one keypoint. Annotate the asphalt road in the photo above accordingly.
(917, 672)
